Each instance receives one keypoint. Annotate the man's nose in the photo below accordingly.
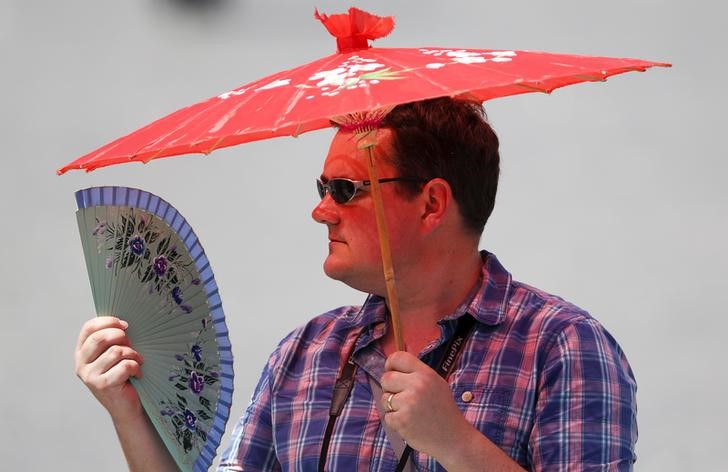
(326, 212)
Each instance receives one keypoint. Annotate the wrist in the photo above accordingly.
(127, 416)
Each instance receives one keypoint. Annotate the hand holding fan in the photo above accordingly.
(146, 266)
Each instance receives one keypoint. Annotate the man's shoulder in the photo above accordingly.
(336, 321)
(503, 299)
(553, 326)
(318, 343)
(327, 328)
(534, 298)
(533, 308)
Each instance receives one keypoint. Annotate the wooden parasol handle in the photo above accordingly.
(386, 252)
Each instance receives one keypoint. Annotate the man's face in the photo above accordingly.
(354, 253)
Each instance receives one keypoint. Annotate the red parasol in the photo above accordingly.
(355, 80)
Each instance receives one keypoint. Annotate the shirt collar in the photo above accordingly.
(490, 301)
(487, 302)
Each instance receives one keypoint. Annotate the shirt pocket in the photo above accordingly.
(492, 410)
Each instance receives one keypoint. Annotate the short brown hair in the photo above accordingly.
(450, 139)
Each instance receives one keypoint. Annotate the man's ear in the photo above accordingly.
(437, 202)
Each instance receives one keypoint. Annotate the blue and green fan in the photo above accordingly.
(146, 266)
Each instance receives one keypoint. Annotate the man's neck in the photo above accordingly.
(431, 292)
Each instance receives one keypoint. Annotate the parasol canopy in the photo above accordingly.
(357, 78)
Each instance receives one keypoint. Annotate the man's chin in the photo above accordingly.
(347, 276)
(334, 270)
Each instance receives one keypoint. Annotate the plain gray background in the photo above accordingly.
(612, 194)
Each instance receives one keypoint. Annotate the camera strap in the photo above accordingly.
(345, 383)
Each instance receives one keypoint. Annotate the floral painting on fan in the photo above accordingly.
(136, 243)
(193, 375)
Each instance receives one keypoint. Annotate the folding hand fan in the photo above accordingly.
(146, 266)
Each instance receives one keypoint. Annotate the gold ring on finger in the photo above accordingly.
(390, 408)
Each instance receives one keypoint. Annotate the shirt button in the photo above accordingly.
(467, 396)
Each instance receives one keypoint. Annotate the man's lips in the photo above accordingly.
(333, 239)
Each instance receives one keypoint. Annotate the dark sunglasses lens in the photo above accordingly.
(321, 189)
(341, 190)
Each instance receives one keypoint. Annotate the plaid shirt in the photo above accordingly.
(547, 384)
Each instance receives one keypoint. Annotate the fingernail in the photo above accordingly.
(123, 324)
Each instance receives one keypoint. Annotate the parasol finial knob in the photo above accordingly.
(354, 30)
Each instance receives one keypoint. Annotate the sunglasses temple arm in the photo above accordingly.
(389, 280)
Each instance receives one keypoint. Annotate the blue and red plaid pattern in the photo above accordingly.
(547, 384)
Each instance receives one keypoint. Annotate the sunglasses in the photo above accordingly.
(343, 190)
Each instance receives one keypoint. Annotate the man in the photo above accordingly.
(536, 383)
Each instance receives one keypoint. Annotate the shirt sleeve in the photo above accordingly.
(586, 413)
(251, 445)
